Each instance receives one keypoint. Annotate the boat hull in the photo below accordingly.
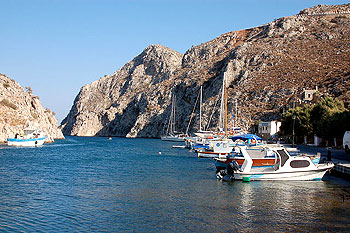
(25, 142)
(172, 139)
(257, 162)
(209, 154)
(295, 175)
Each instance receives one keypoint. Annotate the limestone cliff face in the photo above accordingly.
(266, 67)
(122, 104)
(20, 109)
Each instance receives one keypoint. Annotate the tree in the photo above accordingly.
(324, 117)
(302, 124)
(327, 119)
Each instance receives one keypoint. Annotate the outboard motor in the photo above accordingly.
(228, 173)
(232, 167)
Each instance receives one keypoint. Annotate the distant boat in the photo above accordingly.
(171, 134)
(220, 148)
(173, 138)
(30, 138)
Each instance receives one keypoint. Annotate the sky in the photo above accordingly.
(58, 46)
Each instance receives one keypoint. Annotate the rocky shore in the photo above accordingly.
(20, 109)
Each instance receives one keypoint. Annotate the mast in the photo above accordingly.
(222, 106)
(235, 115)
(225, 111)
(200, 109)
(174, 101)
(192, 114)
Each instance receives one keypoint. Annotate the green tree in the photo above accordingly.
(326, 118)
(302, 123)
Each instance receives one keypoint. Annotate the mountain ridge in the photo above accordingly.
(267, 67)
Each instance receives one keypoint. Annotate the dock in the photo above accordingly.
(341, 168)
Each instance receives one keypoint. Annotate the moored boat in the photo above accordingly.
(286, 167)
(30, 138)
(173, 138)
(261, 156)
(171, 134)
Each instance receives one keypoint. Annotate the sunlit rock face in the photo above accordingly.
(266, 70)
(20, 109)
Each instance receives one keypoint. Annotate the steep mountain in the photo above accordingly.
(266, 67)
(20, 109)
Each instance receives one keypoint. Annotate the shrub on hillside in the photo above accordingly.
(9, 104)
(6, 85)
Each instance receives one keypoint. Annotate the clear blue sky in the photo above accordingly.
(57, 46)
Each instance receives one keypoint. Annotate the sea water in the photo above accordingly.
(144, 185)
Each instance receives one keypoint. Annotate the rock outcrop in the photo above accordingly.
(266, 67)
(20, 109)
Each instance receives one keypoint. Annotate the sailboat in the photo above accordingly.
(202, 137)
(171, 134)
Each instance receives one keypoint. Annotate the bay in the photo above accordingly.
(90, 184)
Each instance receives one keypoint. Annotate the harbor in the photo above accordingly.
(125, 185)
(340, 158)
(209, 116)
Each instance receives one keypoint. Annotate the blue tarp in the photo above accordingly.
(245, 137)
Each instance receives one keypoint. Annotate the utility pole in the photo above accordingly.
(293, 117)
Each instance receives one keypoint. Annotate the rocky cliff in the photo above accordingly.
(21, 109)
(266, 67)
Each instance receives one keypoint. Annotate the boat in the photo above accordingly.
(217, 148)
(246, 139)
(261, 156)
(286, 167)
(171, 134)
(179, 146)
(173, 138)
(225, 146)
(30, 138)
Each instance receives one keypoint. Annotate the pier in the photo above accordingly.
(341, 168)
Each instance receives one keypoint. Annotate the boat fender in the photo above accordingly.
(246, 179)
(36, 142)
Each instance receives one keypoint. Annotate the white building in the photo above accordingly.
(268, 129)
(308, 95)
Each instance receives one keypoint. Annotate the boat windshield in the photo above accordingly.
(28, 131)
(284, 157)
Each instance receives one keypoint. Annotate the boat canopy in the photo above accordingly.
(245, 137)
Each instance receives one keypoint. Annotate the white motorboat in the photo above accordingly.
(219, 148)
(286, 167)
(30, 138)
(173, 138)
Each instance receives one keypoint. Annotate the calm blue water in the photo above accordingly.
(124, 185)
